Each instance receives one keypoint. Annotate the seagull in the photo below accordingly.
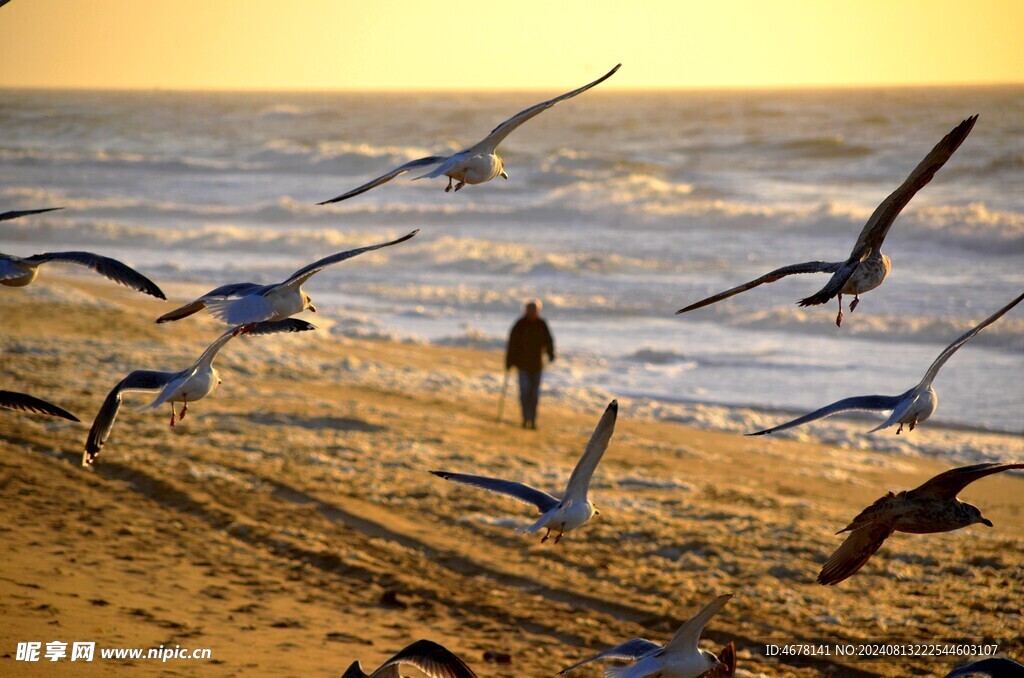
(247, 303)
(993, 667)
(573, 509)
(4, 216)
(932, 507)
(431, 659)
(477, 164)
(26, 403)
(910, 407)
(19, 272)
(681, 658)
(189, 385)
(866, 268)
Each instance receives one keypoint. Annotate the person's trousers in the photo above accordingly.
(529, 393)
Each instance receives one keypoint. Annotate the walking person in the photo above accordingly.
(529, 340)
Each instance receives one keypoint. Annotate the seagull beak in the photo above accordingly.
(986, 522)
(503, 174)
(312, 308)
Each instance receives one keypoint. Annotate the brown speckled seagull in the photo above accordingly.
(932, 507)
(867, 267)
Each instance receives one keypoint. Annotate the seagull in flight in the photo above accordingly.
(681, 658)
(932, 507)
(188, 385)
(866, 267)
(19, 272)
(573, 509)
(431, 659)
(478, 163)
(25, 403)
(910, 407)
(247, 303)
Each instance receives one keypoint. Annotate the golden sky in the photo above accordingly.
(516, 44)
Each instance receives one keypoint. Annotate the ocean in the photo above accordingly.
(621, 208)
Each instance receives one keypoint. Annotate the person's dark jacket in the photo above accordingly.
(527, 343)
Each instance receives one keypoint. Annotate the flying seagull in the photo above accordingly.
(910, 407)
(993, 667)
(246, 303)
(681, 658)
(477, 164)
(188, 385)
(19, 272)
(4, 216)
(932, 507)
(26, 403)
(866, 268)
(573, 509)
(431, 659)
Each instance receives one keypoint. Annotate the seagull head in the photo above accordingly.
(501, 169)
(713, 661)
(307, 302)
(974, 513)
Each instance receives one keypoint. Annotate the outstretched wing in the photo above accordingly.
(579, 481)
(686, 638)
(26, 403)
(140, 380)
(947, 485)
(4, 216)
(946, 354)
(542, 500)
(254, 330)
(993, 667)
(854, 552)
(108, 268)
(885, 510)
(885, 214)
(498, 134)
(630, 650)
(777, 274)
(870, 402)
(303, 274)
(398, 171)
(435, 660)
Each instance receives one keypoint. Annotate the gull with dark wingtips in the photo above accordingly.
(866, 268)
(932, 507)
(573, 509)
(477, 164)
(428, 657)
(911, 407)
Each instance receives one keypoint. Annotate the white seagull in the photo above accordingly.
(866, 268)
(23, 402)
(909, 408)
(681, 658)
(430, 658)
(246, 303)
(188, 385)
(477, 164)
(573, 509)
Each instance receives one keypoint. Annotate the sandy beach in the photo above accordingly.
(289, 523)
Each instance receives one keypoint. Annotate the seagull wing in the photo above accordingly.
(946, 354)
(231, 290)
(108, 268)
(870, 402)
(947, 485)
(854, 552)
(885, 510)
(542, 500)
(993, 667)
(686, 638)
(4, 216)
(303, 274)
(777, 274)
(26, 403)
(398, 171)
(630, 650)
(579, 481)
(885, 214)
(436, 661)
(259, 329)
(498, 134)
(140, 380)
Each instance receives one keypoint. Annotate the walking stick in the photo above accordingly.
(501, 400)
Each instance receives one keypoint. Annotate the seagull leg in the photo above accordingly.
(913, 424)
(561, 531)
(184, 409)
(839, 317)
(856, 300)
(459, 185)
(173, 416)
(546, 535)
(449, 186)
(899, 430)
